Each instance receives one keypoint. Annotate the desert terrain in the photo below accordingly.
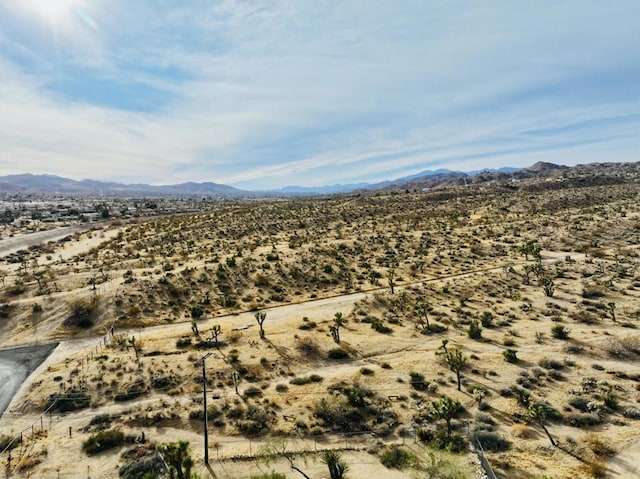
(397, 328)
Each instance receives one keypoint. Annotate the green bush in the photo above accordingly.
(270, 475)
(558, 331)
(418, 381)
(314, 378)
(83, 312)
(510, 355)
(396, 458)
(474, 331)
(580, 403)
(212, 413)
(337, 353)
(8, 442)
(380, 327)
(492, 441)
(433, 328)
(134, 390)
(582, 419)
(183, 342)
(72, 400)
(103, 441)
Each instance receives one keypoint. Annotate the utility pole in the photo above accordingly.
(204, 403)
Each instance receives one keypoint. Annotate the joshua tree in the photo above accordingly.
(422, 311)
(391, 277)
(532, 248)
(136, 348)
(446, 408)
(194, 329)
(548, 285)
(539, 412)
(456, 361)
(338, 321)
(215, 332)
(176, 455)
(260, 317)
(611, 307)
(276, 448)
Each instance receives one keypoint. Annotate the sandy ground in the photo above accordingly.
(65, 432)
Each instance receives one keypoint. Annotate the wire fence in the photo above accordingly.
(484, 460)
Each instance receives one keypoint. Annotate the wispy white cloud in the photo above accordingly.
(265, 95)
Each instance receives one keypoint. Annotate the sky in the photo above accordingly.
(265, 94)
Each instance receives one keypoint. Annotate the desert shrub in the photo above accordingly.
(580, 403)
(281, 388)
(314, 378)
(486, 319)
(308, 346)
(103, 441)
(143, 464)
(599, 445)
(552, 413)
(380, 327)
(396, 458)
(510, 355)
(102, 420)
(212, 413)
(610, 400)
(164, 382)
(8, 442)
(83, 312)
(252, 392)
(582, 419)
(270, 475)
(631, 413)
(474, 331)
(418, 381)
(307, 326)
(627, 347)
(367, 371)
(522, 396)
(183, 342)
(551, 364)
(235, 413)
(337, 353)
(72, 400)
(558, 331)
(433, 328)
(492, 441)
(454, 444)
(134, 390)
(596, 469)
(256, 421)
(592, 292)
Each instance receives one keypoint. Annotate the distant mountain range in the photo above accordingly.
(51, 184)
(55, 185)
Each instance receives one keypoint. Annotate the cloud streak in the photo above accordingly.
(266, 95)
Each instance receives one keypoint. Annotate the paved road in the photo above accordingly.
(12, 374)
(15, 365)
(12, 244)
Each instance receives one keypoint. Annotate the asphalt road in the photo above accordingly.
(10, 245)
(12, 375)
(15, 365)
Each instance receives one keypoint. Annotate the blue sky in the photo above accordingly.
(264, 94)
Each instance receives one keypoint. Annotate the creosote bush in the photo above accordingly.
(103, 441)
(396, 458)
(84, 312)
